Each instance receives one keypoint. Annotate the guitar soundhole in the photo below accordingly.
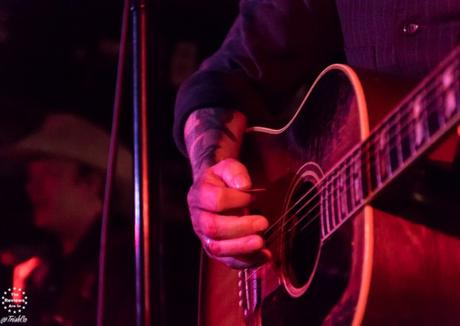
(301, 237)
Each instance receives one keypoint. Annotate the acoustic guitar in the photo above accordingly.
(362, 189)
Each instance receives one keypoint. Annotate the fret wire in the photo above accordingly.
(331, 203)
(377, 167)
(384, 147)
(367, 175)
(323, 223)
(394, 147)
(447, 80)
(421, 127)
(358, 181)
(403, 111)
(348, 187)
(326, 197)
(399, 140)
(339, 199)
(407, 147)
(334, 201)
(343, 195)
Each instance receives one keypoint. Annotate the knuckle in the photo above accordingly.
(218, 199)
(205, 195)
(193, 193)
(190, 196)
(214, 248)
(197, 193)
(208, 225)
(208, 172)
(195, 223)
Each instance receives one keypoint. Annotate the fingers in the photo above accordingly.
(213, 199)
(234, 247)
(221, 227)
(235, 255)
(246, 261)
(209, 197)
(231, 239)
(217, 189)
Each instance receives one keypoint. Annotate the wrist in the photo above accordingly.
(212, 135)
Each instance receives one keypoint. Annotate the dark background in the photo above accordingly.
(60, 56)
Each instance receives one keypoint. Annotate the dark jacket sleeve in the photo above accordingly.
(273, 48)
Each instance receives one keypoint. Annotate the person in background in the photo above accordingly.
(65, 174)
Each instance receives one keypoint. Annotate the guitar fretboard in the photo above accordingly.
(424, 117)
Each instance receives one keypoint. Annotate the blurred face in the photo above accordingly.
(61, 199)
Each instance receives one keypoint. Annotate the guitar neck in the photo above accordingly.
(410, 130)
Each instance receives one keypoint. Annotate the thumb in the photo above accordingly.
(233, 173)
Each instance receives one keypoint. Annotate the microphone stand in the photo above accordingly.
(141, 173)
(140, 164)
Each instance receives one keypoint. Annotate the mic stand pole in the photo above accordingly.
(141, 173)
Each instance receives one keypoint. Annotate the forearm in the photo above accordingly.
(211, 135)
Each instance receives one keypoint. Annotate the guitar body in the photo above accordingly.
(395, 262)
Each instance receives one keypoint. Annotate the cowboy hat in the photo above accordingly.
(68, 136)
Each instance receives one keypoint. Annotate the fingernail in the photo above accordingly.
(260, 224)
(240, 181)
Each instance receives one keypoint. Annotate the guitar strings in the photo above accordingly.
(372, 157)
(380, 126)
(401, 113)
(314, 218)
(368, 142)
